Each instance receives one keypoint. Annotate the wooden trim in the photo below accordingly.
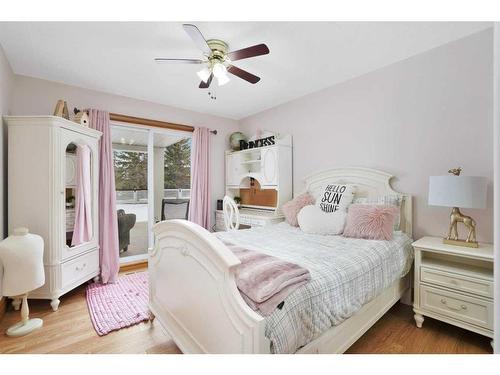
(149, 122)
(3, 307)
(134, 266)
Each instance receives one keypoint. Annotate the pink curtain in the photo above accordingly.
(199, 206)
(82, 231)
(108, 221)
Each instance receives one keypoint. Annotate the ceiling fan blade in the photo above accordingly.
(206, 85)
(243, 74)
(245, 53)
(198, 38)
(162, 60)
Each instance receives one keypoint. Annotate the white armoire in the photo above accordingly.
(41, 191)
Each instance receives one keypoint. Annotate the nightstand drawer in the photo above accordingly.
(458, 282)
(465, 308)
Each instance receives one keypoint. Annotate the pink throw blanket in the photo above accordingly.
(265, 281)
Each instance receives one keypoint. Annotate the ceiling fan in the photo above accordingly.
(217, 59)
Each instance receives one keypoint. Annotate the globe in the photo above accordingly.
(235, 138)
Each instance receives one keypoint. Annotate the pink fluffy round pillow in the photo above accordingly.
(372, 222)
(292, 208)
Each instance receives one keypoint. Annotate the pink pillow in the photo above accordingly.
(292, 208)
(370, 222)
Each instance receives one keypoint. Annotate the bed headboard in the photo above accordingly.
(370, 183)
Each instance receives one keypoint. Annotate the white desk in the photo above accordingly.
(250, 217)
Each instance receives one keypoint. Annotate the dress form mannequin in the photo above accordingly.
(22, 257)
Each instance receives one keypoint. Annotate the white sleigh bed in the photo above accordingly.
(193, 292)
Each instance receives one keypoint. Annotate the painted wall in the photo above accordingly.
(496, 158)
(6, 88)
(37, 97)
(415, 118)
(406, 118)
(6, 85)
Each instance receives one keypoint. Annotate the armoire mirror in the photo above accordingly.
(78, 197)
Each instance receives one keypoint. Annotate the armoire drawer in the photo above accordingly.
(456, 281)
(78, 268)
(457, 306)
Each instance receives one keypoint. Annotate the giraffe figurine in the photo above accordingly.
(457, 217)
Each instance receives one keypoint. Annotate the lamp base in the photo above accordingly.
(23, 328)
(463, 243)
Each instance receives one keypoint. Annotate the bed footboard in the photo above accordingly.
(193, 292)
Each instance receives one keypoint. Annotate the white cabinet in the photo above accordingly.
(270, 165)
(41, 179)
(269, 160)
(454, 284)
(234, 169)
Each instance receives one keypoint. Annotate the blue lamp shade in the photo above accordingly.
(458, 191)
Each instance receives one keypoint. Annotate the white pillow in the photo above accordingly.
(335, 197)
(314, 221)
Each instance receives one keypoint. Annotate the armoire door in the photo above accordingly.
(68, 190)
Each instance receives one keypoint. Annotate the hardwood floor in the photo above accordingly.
(396, 333)
(70, 330)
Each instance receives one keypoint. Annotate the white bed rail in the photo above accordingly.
(193, 292)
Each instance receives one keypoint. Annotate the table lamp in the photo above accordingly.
(458, 191)
(21, 255)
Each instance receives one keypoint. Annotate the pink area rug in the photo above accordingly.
(118, 305)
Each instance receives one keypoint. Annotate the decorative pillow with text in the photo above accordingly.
(335, 197)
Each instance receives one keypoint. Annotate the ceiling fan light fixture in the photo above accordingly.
(219, 70)
(222, 79)
(204, 74)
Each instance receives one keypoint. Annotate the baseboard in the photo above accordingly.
(134, 265)
(3, 307)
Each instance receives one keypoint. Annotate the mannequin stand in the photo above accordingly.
(26, 325)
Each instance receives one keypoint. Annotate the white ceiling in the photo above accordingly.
(117, 57)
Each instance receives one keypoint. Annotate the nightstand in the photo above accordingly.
(454, 284)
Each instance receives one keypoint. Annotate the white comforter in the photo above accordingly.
(346, 273)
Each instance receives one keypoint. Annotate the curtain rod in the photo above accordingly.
(149, 122)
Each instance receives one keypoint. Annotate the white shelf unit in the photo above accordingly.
(271, 167)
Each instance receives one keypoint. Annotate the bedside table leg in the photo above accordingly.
(55, 304)
(419, 320)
